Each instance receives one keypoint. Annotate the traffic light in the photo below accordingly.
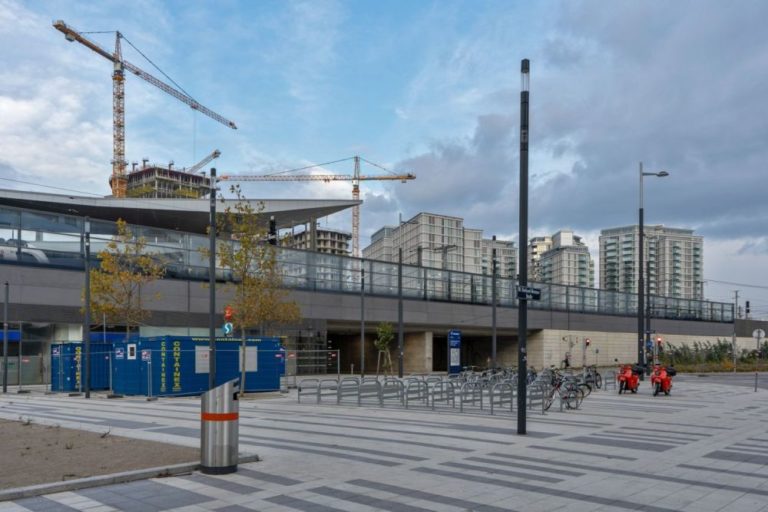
(272, 231)
(587, 342)
(228, 312)
(746, 308)
(659, 340)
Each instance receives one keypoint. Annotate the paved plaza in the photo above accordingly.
(704, 448)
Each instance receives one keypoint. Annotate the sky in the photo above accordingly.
(427, 87)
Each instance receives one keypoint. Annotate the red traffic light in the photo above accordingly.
(587, 341)
(228, 312)
(659, 340)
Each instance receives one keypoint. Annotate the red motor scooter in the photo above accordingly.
(629, 379)
(661, 379)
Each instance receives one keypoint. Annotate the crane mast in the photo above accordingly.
(355, 178)
(118, 181)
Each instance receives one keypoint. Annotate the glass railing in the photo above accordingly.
(53, 240)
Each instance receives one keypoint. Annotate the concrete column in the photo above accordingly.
(417, 348)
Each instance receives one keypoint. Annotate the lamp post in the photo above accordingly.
(212, 285)
(522, 309)
(400, 312)
(87, 306)
(640, 271)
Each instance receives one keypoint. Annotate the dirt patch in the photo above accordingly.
(37, 454)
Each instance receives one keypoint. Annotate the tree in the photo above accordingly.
(384, 336)
(260, 300)
(116, 284)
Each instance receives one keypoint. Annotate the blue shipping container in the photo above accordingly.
(67, 371)
(178, 365)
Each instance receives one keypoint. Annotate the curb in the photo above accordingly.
(114, 478)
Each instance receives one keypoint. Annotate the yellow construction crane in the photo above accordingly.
(355, 178)
(119, 181)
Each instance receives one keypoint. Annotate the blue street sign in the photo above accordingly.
(227, 328)
(454, 351)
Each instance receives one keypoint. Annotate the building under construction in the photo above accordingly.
(166, 182)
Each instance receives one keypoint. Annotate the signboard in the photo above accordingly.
(119, 353)
(758, 334)
(528, 293)
(56, 351)
(146, 355)
(131, 351)
(251, 359)
(227, 328)
(454, 351)
(202, 359)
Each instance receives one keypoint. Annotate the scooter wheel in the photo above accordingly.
(621, 387)
(656, 389)
(634, 391)
(666, 393)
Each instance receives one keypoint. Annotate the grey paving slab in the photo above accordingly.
(329, 458)
(43, 504)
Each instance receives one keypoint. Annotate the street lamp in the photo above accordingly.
(640, 280)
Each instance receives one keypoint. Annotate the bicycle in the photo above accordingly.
(569, 393)
(592, 376)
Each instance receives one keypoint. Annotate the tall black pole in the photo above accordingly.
(87, 308)
(522, 312)
(212, 287)
(362, 318)
(5, 340)
(493, 308)
(640, 281)
(400, 312)
(648, 301)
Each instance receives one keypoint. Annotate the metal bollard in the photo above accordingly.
(219, 429)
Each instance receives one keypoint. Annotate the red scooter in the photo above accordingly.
(629, 379)
(661, 379)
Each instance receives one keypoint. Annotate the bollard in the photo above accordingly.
(755, 382)
(219, 429)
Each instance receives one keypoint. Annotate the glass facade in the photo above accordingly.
(54, 240)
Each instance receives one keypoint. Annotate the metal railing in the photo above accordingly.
(56, 240)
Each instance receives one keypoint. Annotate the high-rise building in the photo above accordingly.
(329, 241)
(675, 261)
(537, 246)
(566, 262)
(441, 241)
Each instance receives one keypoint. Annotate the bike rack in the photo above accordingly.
(471, 393)
(502, 393)
(444, 391)
(369, 388)
(327, 388)
(349, 387)
(309, 387)
(416, 390)
(393, 389)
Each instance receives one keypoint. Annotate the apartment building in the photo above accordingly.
(441, 241)
(329, 241)
(674, 260)
(567, 261)
(537, 246)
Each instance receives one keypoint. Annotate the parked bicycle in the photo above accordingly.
(568, 392)
(593, 377)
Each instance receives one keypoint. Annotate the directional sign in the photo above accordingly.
(528, 293)
(227, 328)
(758, 334)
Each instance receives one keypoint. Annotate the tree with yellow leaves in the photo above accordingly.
(116, 284)
(260, 301)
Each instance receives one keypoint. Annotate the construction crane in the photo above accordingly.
(202, 163)
(355, 178)
(119, 181)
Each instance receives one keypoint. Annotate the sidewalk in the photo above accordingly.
(704, 448)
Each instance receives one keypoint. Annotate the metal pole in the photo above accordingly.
(362, 318)
(87, 315)
(522, 312)
(640, 283)
(212, 286)
(648, 306)
(5, 340)
(400, 312)
(493, 309)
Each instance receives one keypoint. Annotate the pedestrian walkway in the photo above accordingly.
(704, 448)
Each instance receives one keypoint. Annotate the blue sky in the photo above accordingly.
(429, 87)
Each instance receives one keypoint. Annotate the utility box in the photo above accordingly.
(179, 365)
(68, 366)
